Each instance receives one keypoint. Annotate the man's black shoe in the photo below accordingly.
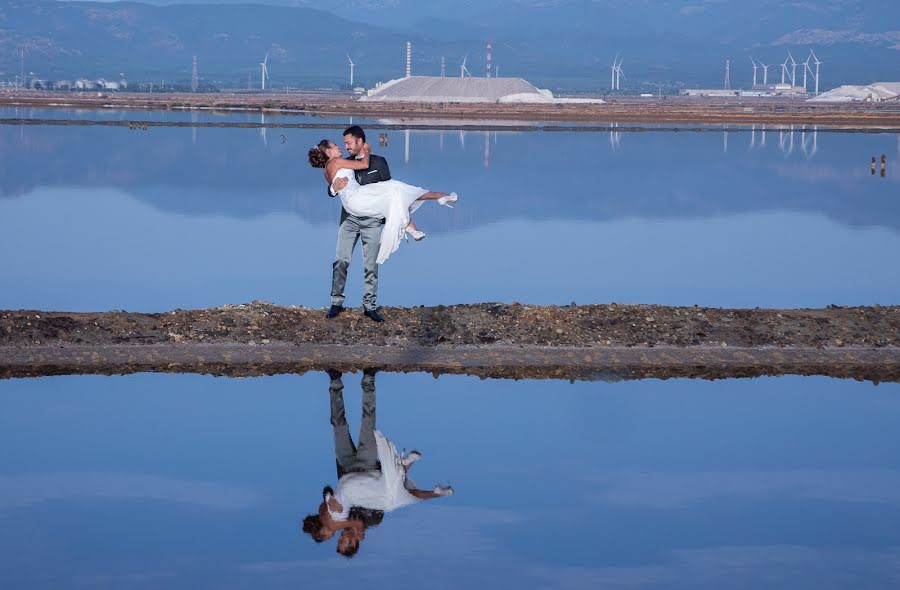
(334, 311)
(373, 315)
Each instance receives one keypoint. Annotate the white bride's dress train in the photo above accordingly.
(391, 199)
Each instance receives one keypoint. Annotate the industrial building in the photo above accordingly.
(877, 92)
(756, 90)
(464, 89)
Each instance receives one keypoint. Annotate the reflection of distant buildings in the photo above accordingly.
(462, 143)
(809, 140)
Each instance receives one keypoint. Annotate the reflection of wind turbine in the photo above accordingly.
(787, 151)
(462, 68)
(812, 142)
(614, 136)
(462, 139)
(351, 69)
(406, 148)
(262, 129)
(264, 71)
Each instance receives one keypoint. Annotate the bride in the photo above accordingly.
(391, 199)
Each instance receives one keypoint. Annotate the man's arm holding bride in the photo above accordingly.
(377, 162)
(363, 163)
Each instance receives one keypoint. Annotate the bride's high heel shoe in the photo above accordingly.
(416, 234)
(445, 201)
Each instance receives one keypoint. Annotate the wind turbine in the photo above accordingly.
(805, 69)
(765, 68)
(462, 68)
(351, 69)
(264, 72)
(612, 78)
(617, 73)
(793, 70)
(784, 71)
(818, 63)
(753, 61)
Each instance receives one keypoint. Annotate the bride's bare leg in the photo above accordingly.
(432, 196)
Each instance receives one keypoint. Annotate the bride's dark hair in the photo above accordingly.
(317, 157)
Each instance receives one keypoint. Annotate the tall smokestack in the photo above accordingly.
(488, 59)
(408, 59)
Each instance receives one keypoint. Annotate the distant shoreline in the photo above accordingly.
(671, 109)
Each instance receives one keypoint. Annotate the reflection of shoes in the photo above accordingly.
(411, 458)
(333, 374)
(445, 201)
(334, 311)
(443, 490)
(327, 491)
(373, 315)
(416, 234)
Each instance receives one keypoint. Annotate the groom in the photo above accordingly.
(353, 228)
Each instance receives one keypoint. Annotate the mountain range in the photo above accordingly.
(558, 44)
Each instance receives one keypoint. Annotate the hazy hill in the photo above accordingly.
(555, 43)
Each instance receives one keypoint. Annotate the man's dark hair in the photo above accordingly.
(356, 131)
(312, 526)
(350, 551)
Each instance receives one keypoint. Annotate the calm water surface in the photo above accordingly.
(185, 481)
(112, 218)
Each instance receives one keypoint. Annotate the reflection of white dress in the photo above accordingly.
(384, 490)
(391, 199)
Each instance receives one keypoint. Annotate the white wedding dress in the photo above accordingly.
(391, 199)
(385, 490)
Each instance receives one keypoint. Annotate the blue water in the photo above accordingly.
(113, 218)
(187, 481)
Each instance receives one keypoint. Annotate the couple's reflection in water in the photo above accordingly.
(372, 476)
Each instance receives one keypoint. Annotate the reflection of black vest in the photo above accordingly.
(368, 517)
(341, 472)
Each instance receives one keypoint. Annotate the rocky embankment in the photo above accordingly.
(504, 340)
